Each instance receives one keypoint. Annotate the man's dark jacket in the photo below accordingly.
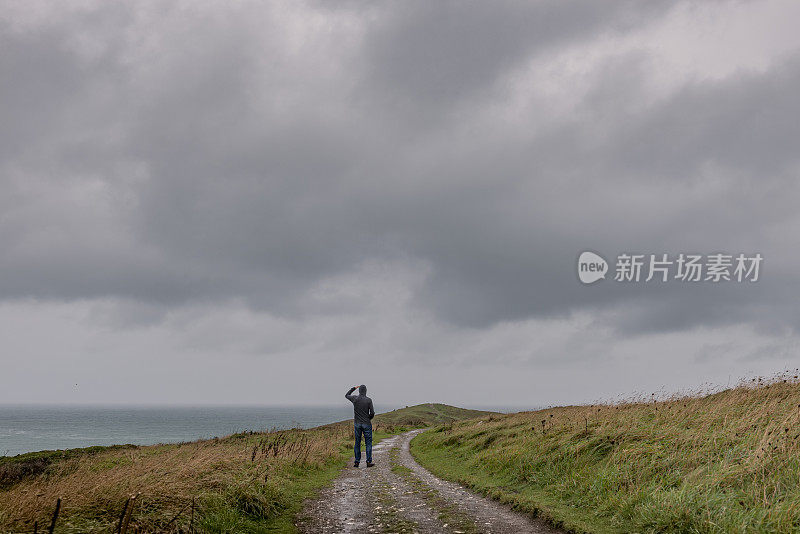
(363, 411)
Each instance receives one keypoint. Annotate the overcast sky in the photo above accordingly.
(248, 202)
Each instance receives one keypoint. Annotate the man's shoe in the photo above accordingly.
(370, 464)
(355, 464)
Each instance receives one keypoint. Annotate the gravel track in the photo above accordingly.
(400, 496)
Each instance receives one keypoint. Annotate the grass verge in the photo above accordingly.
(447, 512)
(725, 462)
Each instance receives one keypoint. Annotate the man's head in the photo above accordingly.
(362, 390)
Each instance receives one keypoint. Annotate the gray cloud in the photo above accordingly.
(422, 59)
(180, 156)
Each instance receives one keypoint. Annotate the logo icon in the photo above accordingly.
(591, 267)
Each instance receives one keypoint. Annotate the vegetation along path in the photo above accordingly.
(400, 496)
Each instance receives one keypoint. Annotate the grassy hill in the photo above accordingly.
(417, 416)
(248, 482)
(726, 462)
(427, 414)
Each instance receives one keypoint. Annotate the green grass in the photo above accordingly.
(727, 462)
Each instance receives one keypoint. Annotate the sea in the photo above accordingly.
(36, 428)
(29, 428)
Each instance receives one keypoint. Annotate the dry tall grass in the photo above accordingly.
(167, 477)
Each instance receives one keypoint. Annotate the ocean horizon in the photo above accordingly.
(30, 428)
(37, 427)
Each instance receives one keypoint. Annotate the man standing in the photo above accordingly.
(363, 412)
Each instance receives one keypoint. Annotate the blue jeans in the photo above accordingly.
(367, 431)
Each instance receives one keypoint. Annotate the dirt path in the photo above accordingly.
(400, 496)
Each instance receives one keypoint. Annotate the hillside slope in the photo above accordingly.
(727, 462)
(248, 482)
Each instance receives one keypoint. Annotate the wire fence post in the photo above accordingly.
(55, 516)
(128, 515)
(191, 519)
(122, 515)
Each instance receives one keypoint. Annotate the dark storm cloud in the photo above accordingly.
(229, 160)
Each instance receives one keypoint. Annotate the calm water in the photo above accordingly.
(35, 428)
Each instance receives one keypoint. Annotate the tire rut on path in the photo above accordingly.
(400, 496)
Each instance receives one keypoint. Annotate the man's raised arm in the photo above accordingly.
(348, 395)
